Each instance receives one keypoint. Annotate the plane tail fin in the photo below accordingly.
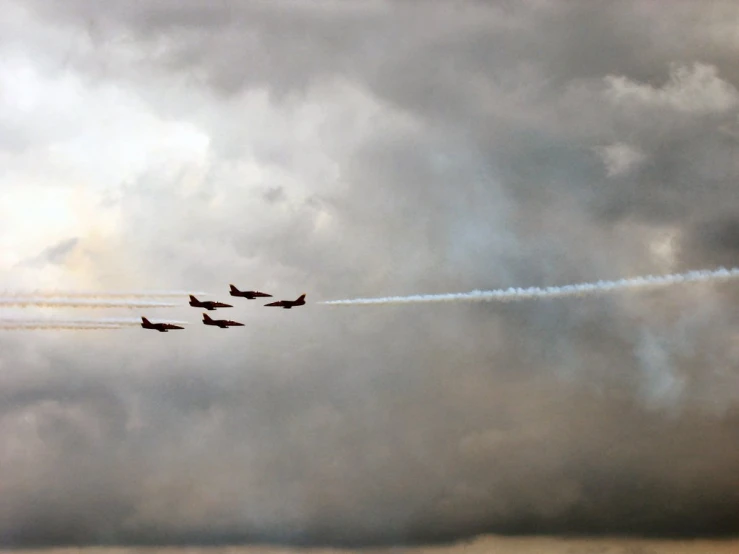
(193, 299)
(206, 317)
(301, 297)
(144, 320)
(233, 288)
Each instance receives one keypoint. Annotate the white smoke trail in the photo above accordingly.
(71, 324)
(100, 294)
(34, 325)
(582, 289)
(132, 322)
(79, 303)
(20, 327)
(121, 322)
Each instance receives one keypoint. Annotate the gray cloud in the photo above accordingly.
(55, 254)
(394, 148)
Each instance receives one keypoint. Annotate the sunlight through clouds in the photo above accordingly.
(90, 142)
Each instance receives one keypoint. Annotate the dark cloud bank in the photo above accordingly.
(526, 143)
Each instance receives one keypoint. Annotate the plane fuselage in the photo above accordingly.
(248, 294)
(208, 304)
(161, 327)
(287, 304)
(222, 323)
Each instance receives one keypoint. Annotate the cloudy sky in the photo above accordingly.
(355, 149)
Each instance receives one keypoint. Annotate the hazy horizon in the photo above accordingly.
(481, 544)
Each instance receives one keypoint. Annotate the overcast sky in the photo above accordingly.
(355, 149)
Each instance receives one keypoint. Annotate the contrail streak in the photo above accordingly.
(100, 294)
(582, 289)
(79, 303)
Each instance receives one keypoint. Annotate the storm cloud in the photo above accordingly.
(357, 150)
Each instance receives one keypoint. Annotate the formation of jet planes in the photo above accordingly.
(212, 305)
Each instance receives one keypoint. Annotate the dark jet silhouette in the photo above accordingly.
(248, 294)
(287, 304)
(207, 304)
(161, 327)
(222, 323)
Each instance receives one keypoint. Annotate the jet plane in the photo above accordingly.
(222, 323)
(287, 304)
(161, 327)
(207, 304)
(248, 294)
